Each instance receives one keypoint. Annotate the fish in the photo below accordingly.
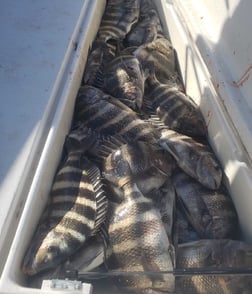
(194, 158)
(139, 244)
(183, 231)
(164, 200)
(109, 116)
(147, 29)
(150, 165)
(76, 210)
(124, 79)
(137, 237)
(99, 55)
(89, 257)
(117, 20)
(214, 254)
(175, 109)
(159, 58)
(210, 212)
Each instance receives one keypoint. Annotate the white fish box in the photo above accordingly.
(40, 79)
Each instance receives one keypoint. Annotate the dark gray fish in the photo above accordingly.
(76, 210)
(139, 243)
(118, 18)
(159, 58)
(98, 57)
(183, 230)
(108, 116)
(176, 110)
(124, 79)
(149, 164)
(194, 158)
(164, 200)
(147, 29)
(211, 213)
(214, 254)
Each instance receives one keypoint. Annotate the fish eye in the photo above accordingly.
(53, 249)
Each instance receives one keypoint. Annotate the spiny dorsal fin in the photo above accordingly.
(95, 177)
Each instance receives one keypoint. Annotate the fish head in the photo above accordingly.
(209, 169)
(45, 253)
(88, 95)
(125, 80)
(116, 169)
(80, 138)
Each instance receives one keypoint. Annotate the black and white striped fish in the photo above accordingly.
(118, 18)
(160, 54)
(147, 29)
(99, 55)
(149, 164)
(211, 213)
(176, 110)
(89, 257)
(124, 79)
(139, 243)
(108, 116)
(76, 210)
(194, 158)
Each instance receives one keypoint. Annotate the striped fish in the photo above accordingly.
(211, 213)
(88, 257)
(108, 116)
(76, 210)
(161, 54)
(118, 18)
(215, 255)
(147, 29)
(194, 158)
(149, 164)
(139, 244)
(124, 79)
(176, 110)
(98, 57)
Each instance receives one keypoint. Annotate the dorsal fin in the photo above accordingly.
(95, 177)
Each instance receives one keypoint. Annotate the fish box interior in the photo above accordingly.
(212, 64)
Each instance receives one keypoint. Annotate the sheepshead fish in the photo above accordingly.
(124, 79)
(149, 164)
(139, 244)
(147, 29)
(176, 109)
(183, 230)
(164, 201)
(137, 237)
(98, 57)
(76, 210)
(161, 54)
(211, 213)
(214, 254)
(194, 158)
(118, 18)
(87, 258)
(108, 116)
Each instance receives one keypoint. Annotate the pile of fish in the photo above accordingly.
(139, 192)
